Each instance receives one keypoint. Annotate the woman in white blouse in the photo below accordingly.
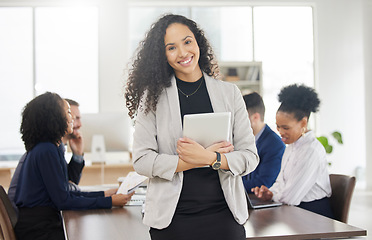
(303, 180)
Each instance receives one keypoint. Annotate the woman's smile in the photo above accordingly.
(186, 62)
(182, 52)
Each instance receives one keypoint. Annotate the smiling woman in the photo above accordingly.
(303, 180)
(172, 76)
(182, 52)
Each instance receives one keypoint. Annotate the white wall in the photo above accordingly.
(343, 68)
(341, 80)
(113, 53)
(368, 87)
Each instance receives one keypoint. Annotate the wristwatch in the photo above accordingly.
(217, 164)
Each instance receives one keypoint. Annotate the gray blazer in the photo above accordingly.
(155, 156)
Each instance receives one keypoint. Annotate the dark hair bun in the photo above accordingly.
(299, 97)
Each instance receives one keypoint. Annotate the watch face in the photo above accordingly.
(216, 165)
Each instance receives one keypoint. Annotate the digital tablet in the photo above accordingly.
(207, 128)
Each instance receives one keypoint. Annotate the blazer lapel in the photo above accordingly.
(217, 100)
(174, 105)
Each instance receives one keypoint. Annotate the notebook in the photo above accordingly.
(255, 203)
(207, 128)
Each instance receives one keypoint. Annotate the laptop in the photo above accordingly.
(207, 128)
(255, 203)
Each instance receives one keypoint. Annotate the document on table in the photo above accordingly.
(132, 181)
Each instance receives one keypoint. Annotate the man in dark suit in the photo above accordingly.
(270, 147)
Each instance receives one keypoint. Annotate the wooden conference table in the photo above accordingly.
(285, 222)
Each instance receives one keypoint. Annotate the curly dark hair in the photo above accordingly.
(150, 70)
(299, 100)
(43, 120)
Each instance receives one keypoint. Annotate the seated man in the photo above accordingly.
(75, 141)
(76, 164)
(270, 147)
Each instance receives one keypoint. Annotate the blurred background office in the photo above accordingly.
(80, 49)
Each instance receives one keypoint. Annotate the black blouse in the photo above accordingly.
(201, 190)
(202, 211)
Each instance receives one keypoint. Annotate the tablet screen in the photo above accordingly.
(207, 128)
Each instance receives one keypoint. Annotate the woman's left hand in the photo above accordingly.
(192, 152)
(221, 147)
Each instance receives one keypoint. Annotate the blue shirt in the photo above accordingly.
(270, 149)
(74, 169)
(43, 181)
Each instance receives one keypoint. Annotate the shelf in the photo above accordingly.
(246, 75)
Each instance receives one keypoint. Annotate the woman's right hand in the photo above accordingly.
(262, 192)
(221, 147)
(119, 200)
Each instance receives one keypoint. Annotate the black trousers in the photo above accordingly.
(321, 206)
(41, 223)
(217, 226)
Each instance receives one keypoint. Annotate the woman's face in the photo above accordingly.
(289, 128)
(70, 121)
(182, 52)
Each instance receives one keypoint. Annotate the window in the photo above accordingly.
(280, 37)
(141, 18)
(15, 70)
(229, 29)
(45, 49)
(283, 40)
(66, 53)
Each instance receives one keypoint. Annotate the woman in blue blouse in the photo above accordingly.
(42, 189)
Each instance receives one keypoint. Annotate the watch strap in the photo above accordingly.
(217, 164)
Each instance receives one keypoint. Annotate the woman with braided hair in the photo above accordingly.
(303, 180)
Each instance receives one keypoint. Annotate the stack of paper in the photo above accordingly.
(132, 181)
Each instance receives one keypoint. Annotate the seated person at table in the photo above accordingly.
(270, 147)
(76, 144)
(303, 180)
(42, 189)
(76, 164)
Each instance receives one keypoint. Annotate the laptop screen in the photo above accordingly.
(255, 203)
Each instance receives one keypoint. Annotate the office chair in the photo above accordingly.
(8, 217)
(342, 191)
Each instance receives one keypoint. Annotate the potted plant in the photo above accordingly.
(327, 146)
